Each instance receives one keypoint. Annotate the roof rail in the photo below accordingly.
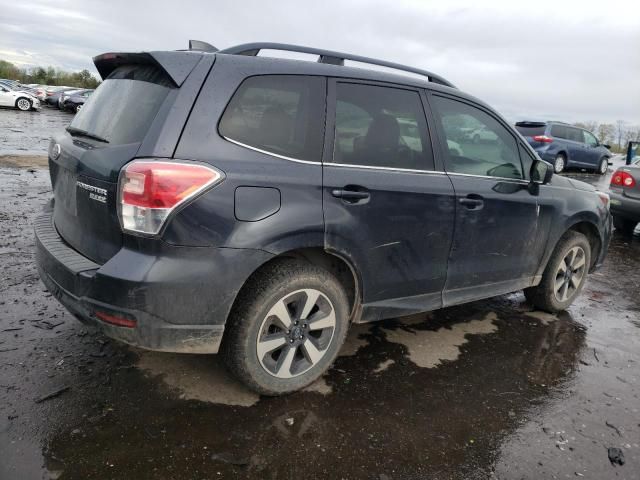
(330, 57)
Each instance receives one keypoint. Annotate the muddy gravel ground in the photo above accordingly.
(491, 389)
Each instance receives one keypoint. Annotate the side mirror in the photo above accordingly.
(608, 147)
(541, 172)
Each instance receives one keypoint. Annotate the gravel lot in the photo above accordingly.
(486, 390)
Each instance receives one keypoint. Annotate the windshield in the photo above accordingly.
(123, 107)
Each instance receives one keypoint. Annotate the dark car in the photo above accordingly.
(625, 192)
(52, 97)
(74, 102)
(258, 206)
(566, 146)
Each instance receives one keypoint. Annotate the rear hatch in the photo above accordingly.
(529, 130)
(105, 135)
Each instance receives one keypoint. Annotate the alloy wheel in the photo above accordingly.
(559, 164)
(24, 104)
(570, 273)
(604, 165)
(296, 333)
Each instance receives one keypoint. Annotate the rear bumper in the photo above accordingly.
(179, 297)
(623, 206)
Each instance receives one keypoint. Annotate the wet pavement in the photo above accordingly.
(28, 133)
(487, 390)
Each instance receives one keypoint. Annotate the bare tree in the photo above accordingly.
(605, 132)
(588, 125)
(621, 127)
(632, 134)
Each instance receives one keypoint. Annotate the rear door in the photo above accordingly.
(577, 147)
(496, 216)
(386, 207)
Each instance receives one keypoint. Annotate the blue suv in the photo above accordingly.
(566, 146)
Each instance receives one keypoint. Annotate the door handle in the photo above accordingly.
(472, 202)
(350, 195)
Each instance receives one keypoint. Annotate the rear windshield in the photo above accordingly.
(123, 107)
(531, 130)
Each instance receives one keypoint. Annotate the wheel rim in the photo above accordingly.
(296, 333)
(559, 163)
(23, 104)
(570, 274)
(604, 165)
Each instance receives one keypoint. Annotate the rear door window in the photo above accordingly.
(575, 134)
(123, 107)
(559, 131)
(279, 114)
(483, 146)
(381, 127)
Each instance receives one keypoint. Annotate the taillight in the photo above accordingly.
(149, 190)
(623, 179)
(543, 139)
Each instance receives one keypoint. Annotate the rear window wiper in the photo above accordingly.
(84, 133)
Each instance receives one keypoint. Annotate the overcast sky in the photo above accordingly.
(565, 60)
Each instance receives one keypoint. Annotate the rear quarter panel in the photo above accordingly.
(211, 220)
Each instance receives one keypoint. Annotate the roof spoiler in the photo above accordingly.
(177, 65)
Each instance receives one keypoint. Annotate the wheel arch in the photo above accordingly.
(336, 264)
(581, 224)
(589, 230)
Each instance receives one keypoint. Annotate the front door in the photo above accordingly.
(592, 154)
(387, 210)
(496, 215)
(6, 98)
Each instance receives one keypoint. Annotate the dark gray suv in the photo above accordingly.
(211, 201)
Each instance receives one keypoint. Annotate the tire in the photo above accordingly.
(603, 166)
(560, 163)
(23, 104)
(77, 108)
(624, 225)
(571, 255)
(287, 361)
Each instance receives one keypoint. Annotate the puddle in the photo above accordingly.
(198, 377)
(428, 348)
(544, 317)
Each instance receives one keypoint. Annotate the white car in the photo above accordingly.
(19, 99)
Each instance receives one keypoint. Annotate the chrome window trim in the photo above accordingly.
(283, 157)
(371, 167)
(436, 172)
(392, 169)
(517, 180)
